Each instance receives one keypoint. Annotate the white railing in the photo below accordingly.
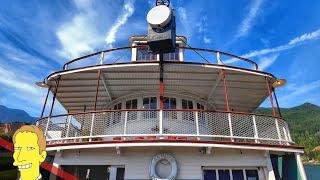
(162, 124)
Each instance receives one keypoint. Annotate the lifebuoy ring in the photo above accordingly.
(170, 159)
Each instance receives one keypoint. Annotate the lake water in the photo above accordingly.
(313, 172)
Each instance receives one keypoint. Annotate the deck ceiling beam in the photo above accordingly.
(214, 87)
(104, 82)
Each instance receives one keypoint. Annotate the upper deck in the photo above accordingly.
(128, 94)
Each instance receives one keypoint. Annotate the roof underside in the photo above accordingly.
(77, 88)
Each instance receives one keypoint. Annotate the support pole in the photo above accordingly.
(270, 96)
(97, 90)
(161, 87)
(226, 90)
(45, 102)
(54, 95)
(161, 94)
(275, 97)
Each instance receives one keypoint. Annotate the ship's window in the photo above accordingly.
(174, 56)
(224, 174)
(252, 175)
(237, 174)
(117, 106)
(187, 104)
(149, 103)
(143, 54)
(117, 114)
(170, 103)
(132, 104)
(187, 115)
(200, 106)
(201, 115)
(209, 174)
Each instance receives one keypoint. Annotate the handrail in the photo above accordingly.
(177, 110)
(139, 46)
(202, 124)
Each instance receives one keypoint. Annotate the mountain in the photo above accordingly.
(8, 115)
(304, 124)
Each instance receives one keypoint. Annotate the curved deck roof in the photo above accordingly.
(77, 87)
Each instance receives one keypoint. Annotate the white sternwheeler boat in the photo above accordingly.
(160, 109)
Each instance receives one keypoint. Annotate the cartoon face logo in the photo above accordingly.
(29, 151)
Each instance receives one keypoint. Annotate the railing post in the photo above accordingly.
(278, 130)
(68, 126)
(47, 126)
(91, 128)
(288, 131)
(160, 121)
(125, 123)
(285, 135)
(256, 136)
(197, 125)
(101, 58)
(230, 126)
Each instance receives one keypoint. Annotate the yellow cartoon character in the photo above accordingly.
(29, 151)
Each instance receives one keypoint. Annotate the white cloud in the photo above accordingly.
(305, 37)
(127, 12)
(300, 90)
(79, 36)
(291, 44)
(184, 20)
(248, 21)
(11, 79)
(265, 62)
(206, 40)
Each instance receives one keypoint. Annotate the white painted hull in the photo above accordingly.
(191, 161)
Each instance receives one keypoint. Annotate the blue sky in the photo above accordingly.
(38, 37)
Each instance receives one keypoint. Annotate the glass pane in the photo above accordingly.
(146, 103)
(134, 104)
(166, 104)
(224, 174)
(173, 103)
(190, 105)
(128, 104)
(252, 175)
(119, 106)
(153, 103)
(209, 175)
(237, 174)
(184, 104)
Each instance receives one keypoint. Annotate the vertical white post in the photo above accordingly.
(230, 174)
(197, 125)
(285, 135)
(218, 58)
(91, 127)
(230, 126)
(300, 167)
(68, 126)
(278, 130)
(271, 175)
(288, 132)
(244, 174)
(255, 129)
(101, 58)
(125, 123)
(47, 126)
(160, 122)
